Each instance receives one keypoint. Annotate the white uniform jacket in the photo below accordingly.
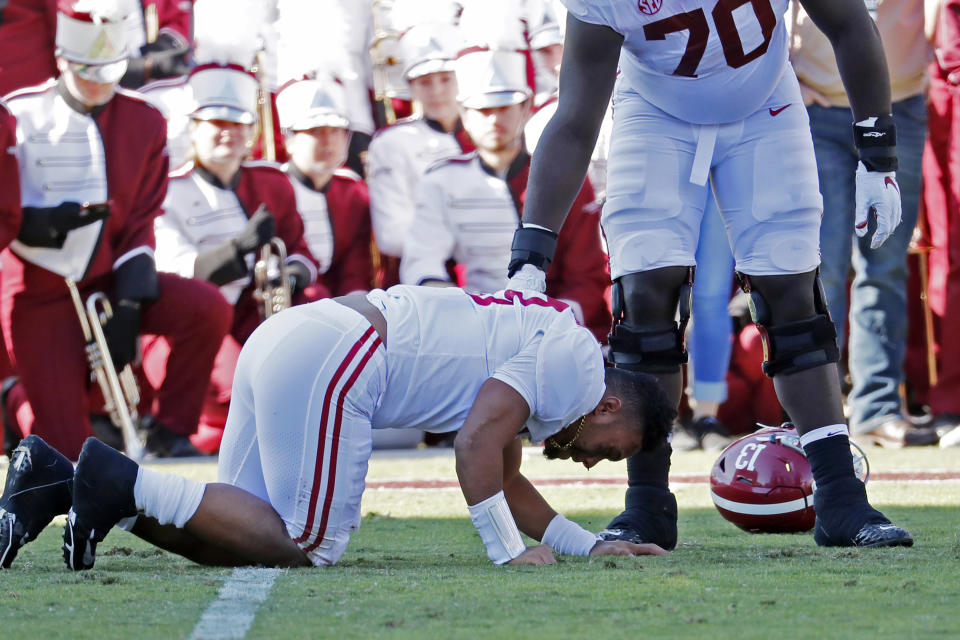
(398, 157)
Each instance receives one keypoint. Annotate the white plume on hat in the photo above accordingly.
(495, 24)
(408, 13)
(105, 10)
(229, 31)
(313, 40)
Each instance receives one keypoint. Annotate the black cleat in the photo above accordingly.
(883, 535)
(848, 520)
(39, 482)
(872, 534)
(651, 517)
(102, 496)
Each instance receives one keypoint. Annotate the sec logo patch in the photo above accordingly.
(649, 7)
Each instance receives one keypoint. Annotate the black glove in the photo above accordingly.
(299, 276)
(220, 265)
(48, 226)
(164, 58)
(259, 230)
(122, 331)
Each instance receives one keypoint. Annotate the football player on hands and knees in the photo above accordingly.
(718, 104)
(310, 384)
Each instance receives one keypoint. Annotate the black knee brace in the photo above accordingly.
(794, 346)
(637, 348)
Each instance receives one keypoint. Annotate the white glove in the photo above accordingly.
(529, 278)
(879, 192)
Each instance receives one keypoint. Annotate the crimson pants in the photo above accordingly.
(941, 200)
(47, 349)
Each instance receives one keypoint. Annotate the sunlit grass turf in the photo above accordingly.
(416, 569)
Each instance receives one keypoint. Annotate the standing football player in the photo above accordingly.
(705, 92)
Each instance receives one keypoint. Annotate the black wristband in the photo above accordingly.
(531, 245)
(136, 279)
(877, 144)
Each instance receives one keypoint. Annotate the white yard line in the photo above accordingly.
(229, 616)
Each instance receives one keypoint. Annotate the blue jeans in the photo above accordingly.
(878, 294)
(711, 333)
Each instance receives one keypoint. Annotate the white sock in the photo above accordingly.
(168, 498)
(821, 433)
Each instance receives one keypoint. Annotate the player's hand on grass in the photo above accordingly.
(535, 556)
(624, 548)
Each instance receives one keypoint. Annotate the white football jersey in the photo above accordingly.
(443, 344)
(703, 61)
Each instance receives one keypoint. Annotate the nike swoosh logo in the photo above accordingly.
(88, 558)
(776, 112)
(890, 182)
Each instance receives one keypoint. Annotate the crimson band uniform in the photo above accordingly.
(28, 30)
(199, 214)
(336, 222)
(10, 213)
(468, 213)
(312, 382)
(117, 153)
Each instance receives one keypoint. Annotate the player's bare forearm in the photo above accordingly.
(496, 417)
(859, 51)
(530, 510)
(560, 161)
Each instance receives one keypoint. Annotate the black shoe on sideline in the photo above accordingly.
(160, 442)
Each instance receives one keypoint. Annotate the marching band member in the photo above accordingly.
(332, 199)
(339, 32)
(220, 211)
(469, 205)
(93, 177)
(399, 155)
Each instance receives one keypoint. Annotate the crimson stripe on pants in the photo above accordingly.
(328, 499)
(318, 467)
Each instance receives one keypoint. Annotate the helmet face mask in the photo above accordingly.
(762, 482)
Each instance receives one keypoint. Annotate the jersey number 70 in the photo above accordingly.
(696, 23)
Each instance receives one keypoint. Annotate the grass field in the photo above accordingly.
(416, 569)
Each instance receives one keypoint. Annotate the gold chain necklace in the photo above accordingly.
(564, 447)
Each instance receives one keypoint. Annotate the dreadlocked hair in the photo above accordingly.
(645, 402)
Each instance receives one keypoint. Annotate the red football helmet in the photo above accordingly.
(763, 484)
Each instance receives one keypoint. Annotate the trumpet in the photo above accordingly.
(271, 280)
(120, 392)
